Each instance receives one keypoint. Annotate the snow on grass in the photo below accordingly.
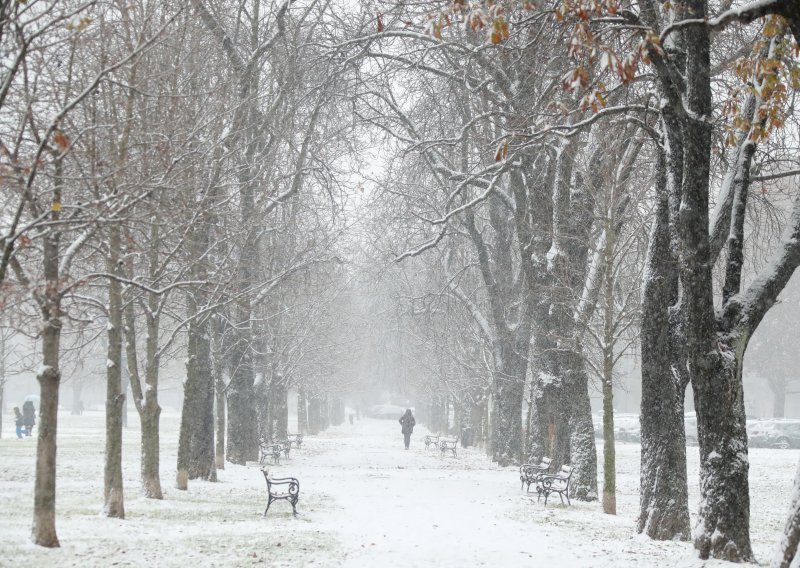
(364, 502)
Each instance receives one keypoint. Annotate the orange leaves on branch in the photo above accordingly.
(61, 140)
(594, 100)
(477, 19)
(380, 22)
(575, 80)
(499, 31)
(770, 78)
(502, 152)
(482, 17)
(593, 53)
(774, 26)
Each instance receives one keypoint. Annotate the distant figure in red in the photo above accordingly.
(408, 423)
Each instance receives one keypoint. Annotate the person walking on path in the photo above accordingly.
(19, 422)
(408, 423)
(28, 416)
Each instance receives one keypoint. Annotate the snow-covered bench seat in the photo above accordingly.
(528, 472)
(282, 488)
(432, 440)
(555, 483)
(448, 445)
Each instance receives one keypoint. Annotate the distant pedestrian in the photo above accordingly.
(351, 418)
(408, 423)
(19, 422)
(28, 416)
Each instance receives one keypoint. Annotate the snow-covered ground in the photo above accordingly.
(364, 502)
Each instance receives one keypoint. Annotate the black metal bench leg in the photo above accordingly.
(269, 502)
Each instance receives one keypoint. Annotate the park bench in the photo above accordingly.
(268, 449)
(432, 440)
(282, 488)
(528, 472)
(448, 445)
(296, 439)
(555, 483)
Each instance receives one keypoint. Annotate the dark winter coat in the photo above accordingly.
(18, 420)
(408, 422)
(28, 414)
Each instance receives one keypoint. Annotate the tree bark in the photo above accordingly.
(302, 412)
(196, 447)
(114, 505)
(280, 409)
(778, 388)
(220, 422)
(787, 548)
(242, 423)
(314, 416)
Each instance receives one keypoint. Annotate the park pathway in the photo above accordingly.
(393, 507)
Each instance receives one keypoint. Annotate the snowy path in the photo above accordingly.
(393, 507)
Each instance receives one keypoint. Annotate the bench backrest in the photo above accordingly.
(292, 482)
(545, 463)
(566, 472)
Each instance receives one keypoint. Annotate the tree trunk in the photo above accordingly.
(609, 454)
(302, 412)
(44, 496)
(150, 416)
(609, 451)
(508, 393)
(778, 387)
(787, 548)
(663, 497)
(582, 447)
(196, 447)
(723, 528)
(325, 413)
(314, 416)
(43, 531)
(77, 403)
(280, 410)
(114, 505)
(242, 423)
(220, 416)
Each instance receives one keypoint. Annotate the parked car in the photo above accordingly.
(774, 433)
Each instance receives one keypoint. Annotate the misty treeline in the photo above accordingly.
(500, 200)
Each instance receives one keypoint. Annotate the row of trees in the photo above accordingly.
(571, 179)
(171, 177)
